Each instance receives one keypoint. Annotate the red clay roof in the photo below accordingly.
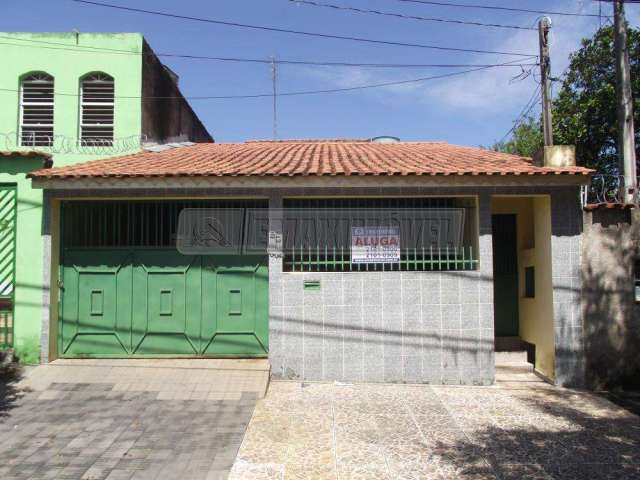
(24, 153)
(47, 162)
(309, 158)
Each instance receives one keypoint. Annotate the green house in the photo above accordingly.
(68, 98)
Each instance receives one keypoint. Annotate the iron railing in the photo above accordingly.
(607, 189)
(324, 242)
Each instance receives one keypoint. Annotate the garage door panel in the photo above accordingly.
(165, 344)
(236, 301)
(166, 316)
(236, 345)
(91, 299)
(241, 306)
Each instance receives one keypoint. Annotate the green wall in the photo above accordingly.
(28, 275)
(57, 54)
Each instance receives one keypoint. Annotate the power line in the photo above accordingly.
(493, 7)
(90, 49)
(284, 94)
(299, 32)
(407, 17)
(523, 113)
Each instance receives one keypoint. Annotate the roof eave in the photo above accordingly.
(284, 181)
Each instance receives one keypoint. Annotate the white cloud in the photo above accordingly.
(493, 90)
(487, 91)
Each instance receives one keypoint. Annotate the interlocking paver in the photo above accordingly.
(92, 428)
(521, 429)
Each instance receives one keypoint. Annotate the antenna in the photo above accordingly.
(274, 80)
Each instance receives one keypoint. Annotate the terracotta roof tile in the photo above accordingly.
(47, 162)
(309, 158)
(24, 153)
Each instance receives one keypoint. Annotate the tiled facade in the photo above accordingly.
(414, 327)
(419, 327)
(566, 247)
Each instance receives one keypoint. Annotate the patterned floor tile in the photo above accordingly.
(94, 431)
(519, 430)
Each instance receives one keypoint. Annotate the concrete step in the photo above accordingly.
(168, 379)
(512, 358)
(509, 344)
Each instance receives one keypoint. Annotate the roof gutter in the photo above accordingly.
(351, 181)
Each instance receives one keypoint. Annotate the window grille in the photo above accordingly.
(36, 110)
(97, 110)
(320, 243)
(134, 223)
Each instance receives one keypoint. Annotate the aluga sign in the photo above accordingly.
(375, 244)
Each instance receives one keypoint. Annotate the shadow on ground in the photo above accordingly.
(10, 375)
(566, 435)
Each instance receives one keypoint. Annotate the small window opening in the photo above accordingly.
(529, 282)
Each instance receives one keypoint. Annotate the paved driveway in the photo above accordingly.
(519, 429)
(123, 420)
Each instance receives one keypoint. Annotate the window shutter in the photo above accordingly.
(97, 110)
(36, 110)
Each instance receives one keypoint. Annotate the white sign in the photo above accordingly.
(375, 244)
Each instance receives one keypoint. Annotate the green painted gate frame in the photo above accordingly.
(8, 212)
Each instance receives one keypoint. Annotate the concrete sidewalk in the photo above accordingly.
(521, 428)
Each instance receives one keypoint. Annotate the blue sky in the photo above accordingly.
(474, 109)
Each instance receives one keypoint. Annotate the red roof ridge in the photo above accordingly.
(339, 140)
(311, 140)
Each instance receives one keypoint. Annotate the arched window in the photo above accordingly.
(96, 109)
(36, 110)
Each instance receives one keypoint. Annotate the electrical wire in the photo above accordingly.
(90, 49)
(407, 17)
(525, 111)
(299, 32)
(493, 7)
(284, 94)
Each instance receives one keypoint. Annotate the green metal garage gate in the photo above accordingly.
(127, 291)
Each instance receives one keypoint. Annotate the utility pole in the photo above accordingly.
(626, 139)
(274, 81)
(544, 26)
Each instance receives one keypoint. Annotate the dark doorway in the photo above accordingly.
(505, 275)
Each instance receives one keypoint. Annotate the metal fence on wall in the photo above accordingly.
(606, 189)
(432, 234)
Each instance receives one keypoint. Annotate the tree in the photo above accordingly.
(525, 140)
(584, 111)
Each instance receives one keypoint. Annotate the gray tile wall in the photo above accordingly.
(566, 247)
(416, 327)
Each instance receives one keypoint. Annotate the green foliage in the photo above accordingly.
(585, 108)
(28, 352)
(584, 111)
(526, 139)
